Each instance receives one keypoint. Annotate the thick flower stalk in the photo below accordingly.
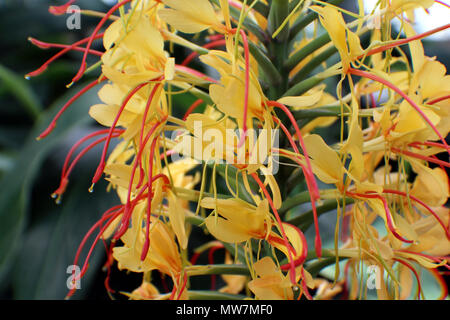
(246, 161)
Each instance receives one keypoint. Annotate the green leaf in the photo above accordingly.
(16, 184)
(50, 247)
(21, 90)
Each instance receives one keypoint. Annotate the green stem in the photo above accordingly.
(307, 50)
(313, 64)
(304, 220)
(200, 270)
(303, 86)
(272, 73)
(294, 201)
(315, 267)
(279, 10)
(260, 7)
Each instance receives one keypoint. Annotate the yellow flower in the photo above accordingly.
(190, 17)
(347, 42)
(163, 254)
(135, 55)
(270, 283)
(235, 220)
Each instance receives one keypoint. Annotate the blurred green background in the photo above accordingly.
(38, 239)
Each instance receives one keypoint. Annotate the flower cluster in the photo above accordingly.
(254, 66)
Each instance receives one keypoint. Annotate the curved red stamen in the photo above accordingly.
(194, 73)
(110, 214)
(127, 213)
(101, 166)
(192, 108)
(410, 267)
(404, 41)
(65, 176)
(149, 199)
(305, 287)
(52, 124)
(213, 44)
(79, 143)
(310, 180)
(57, 55)
(48, 45)
(92, 37)
(283, 233)
(404, 96)
(389, 220)
(423, 204)
(435, 259)
(246, 87)
(301, 259)
(144, 120)
(59, 10)
(419, 156)
(437, 100)
(183, 287)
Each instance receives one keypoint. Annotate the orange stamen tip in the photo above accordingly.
(60, 10)
(69, 85)
(91, 188)
(47, 131)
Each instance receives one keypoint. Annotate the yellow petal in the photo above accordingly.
(191, 16)
(177, 219)
(302, 101)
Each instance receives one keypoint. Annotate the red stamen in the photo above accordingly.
(56, 56)
(410, 267)
(389, 220)
(419, 156)
(404, 41)
(92, 37)
(435, 259)
(101, 166)
(437, 100)
(310, 180)
(47, 45)
(246, 88)
(127, 210)
(211, 261)
(300, 260)
(194, 73)
(65, 176)
(404, 96)
(192, 108)
(194, 54)
(183, 287)
(52, 125)
(149, 200)
(423, 204)
(79, 143)
(283, 234)
(305, 287)
(60, 10)
(110, 214)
